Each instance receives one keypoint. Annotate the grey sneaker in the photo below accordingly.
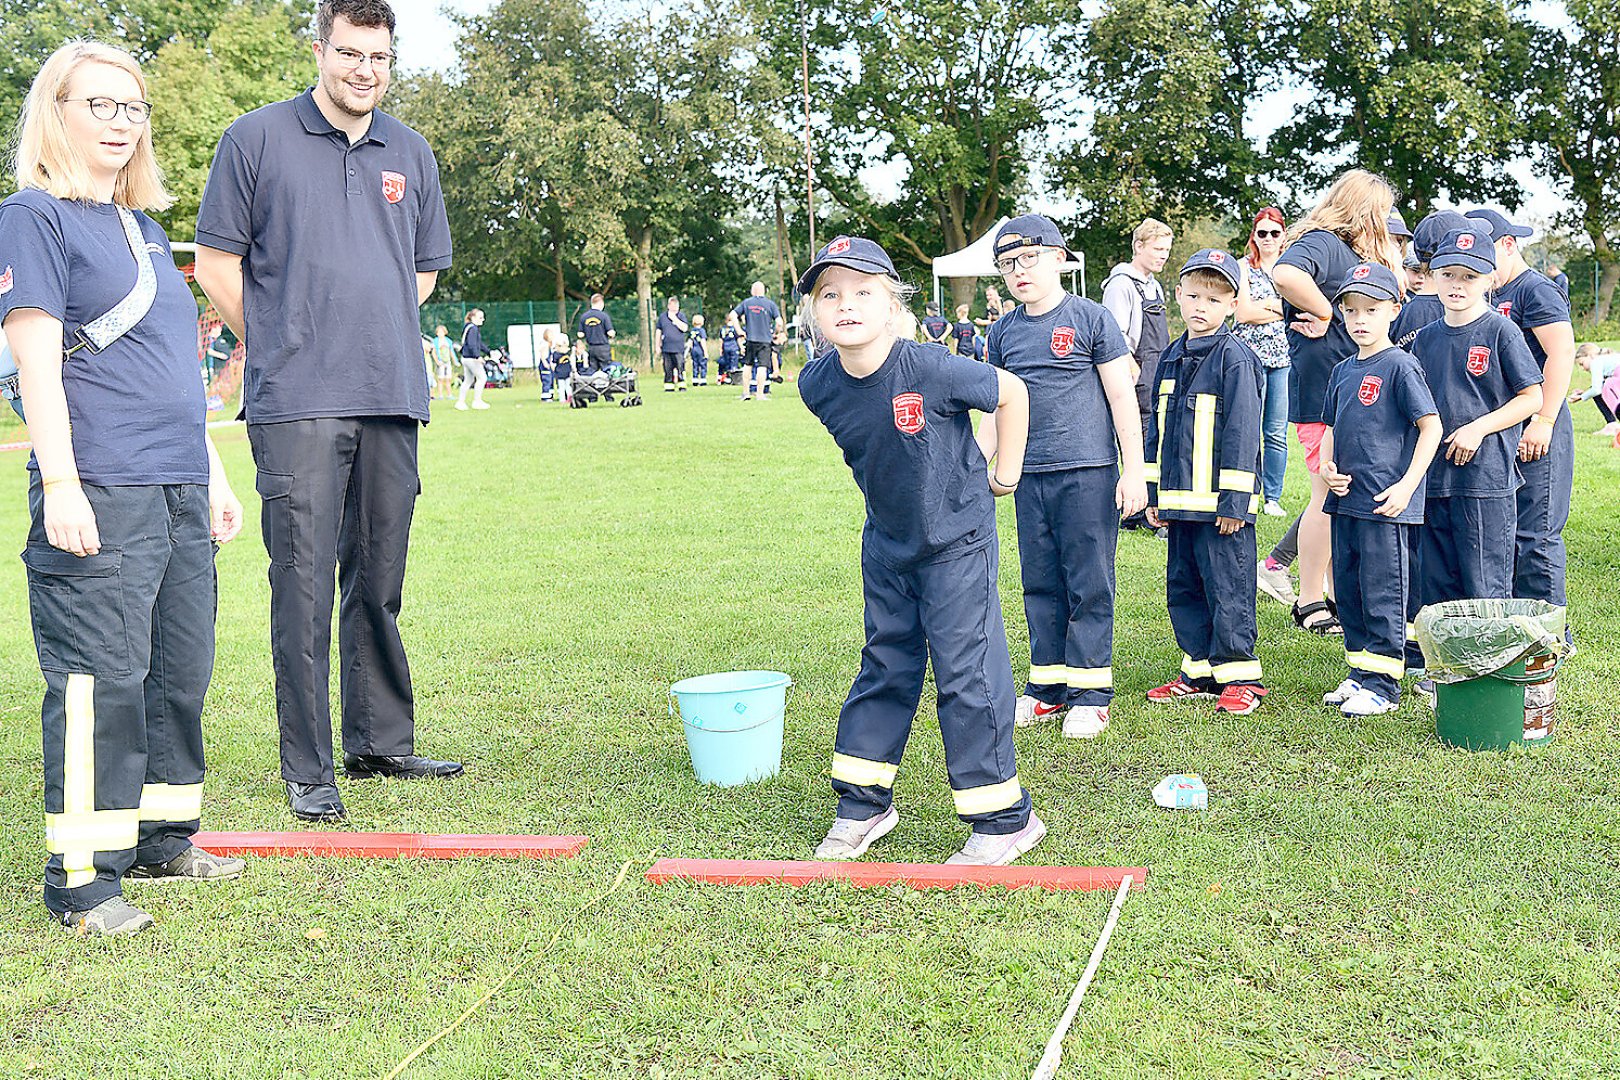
(1425, 690)
(1276, 584)
(192, 864)
(113, 917)
(999, 849)
(849, 838)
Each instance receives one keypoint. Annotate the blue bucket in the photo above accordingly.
(733, 722)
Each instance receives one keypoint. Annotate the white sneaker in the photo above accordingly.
(1274, 509)
(480, 404)
(1085, 722)
(1347, 690)
(461, 406)
(1033, 711)
(849, 837)
(999, 849)
(1276, 584)
(1366, 703)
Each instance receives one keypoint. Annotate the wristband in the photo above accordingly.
(1548, 420)
(58, 481)
(999, 484)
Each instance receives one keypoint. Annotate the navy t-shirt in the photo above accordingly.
(593, 325)
(1529, 301)
(1057, 355)
(907, 435)
(935, 327)
(759, 315)
(1473, 370)
(674, 339)
(1327, 259)
(136, 408)
(332, 236)
(1373, 406)
(1415, 314)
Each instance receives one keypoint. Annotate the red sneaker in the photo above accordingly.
(1240, 700)
(1179, 690)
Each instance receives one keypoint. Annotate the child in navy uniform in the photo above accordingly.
(935, 327)
(697, 350)
(1424, 306)
(1382, 432)
(1203, 456)
(962, 330)
(899, 411)
(730, 349)
(1084, 422)
(1485, 384)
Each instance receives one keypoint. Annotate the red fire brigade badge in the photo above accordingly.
(1370, 385)
(1479, 360)
(908, 412)
(393, 184)
(838, 246)
(7, 280)
(1062, 340)
(1505, 309)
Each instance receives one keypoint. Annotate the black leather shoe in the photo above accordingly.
(404, 767)
(315, 802)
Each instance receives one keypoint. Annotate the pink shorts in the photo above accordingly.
(1310, 437)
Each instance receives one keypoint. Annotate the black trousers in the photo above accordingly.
(126, 644)
(338, 492)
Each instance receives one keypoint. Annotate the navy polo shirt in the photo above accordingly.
(1327, 259)
(1473, 370)
(332, 237)
(674, 337)
(907, 435)
(136, 408)
(594, 326)
(1415, 314)
(935, 326)
(1057, 355)
(759, 315)
(1529, 301)
(1373, 406)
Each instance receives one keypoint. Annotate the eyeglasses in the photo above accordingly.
(1267, 234)
(1026, 260)
(105, 108)
(350, 59)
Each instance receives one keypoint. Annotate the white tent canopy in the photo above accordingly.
(978, 260)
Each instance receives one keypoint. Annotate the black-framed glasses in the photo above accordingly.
(353, 58)
(105, 108)
(1267, 234)
(1026, 260)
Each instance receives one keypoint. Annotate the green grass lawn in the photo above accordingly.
(1357, 901)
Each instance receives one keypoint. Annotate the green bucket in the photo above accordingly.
(1493, 712)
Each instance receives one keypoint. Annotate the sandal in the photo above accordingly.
(1326, 625)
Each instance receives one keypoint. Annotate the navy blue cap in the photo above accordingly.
(1472, 248)
(1028, 230)
(1412, 262)
(1499, 225)
(851, 251)
(1211, 259)
(1432, 229)
(1397, 226)
(1370, 279)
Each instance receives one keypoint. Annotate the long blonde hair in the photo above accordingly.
(902, 322)
(1356, 209)
(46, 157)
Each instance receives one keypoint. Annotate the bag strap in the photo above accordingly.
(101, 332)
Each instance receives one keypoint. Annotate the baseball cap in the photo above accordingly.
(1370, 279)
(1499, 225)
(1471, 248)
(851, 251)
(1412, 262)
(1433, 228)
(1028, 230)
(1211, 259)
(1397, 226)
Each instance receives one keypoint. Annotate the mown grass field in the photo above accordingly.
(1357, 901)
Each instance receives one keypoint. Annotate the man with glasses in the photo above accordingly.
(1134, 297)
(321, 232)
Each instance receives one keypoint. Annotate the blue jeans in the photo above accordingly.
(1274, 431)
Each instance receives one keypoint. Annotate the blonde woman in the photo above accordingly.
(1349, 226)
(126, 495)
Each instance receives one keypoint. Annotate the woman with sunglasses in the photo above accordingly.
(1260, 326)
(126, 494)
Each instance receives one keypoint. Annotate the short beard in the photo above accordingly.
(338, 93)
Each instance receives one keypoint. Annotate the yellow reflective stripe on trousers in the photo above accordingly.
(863, 773)
(1237, 480)
(1195, 669)
(1237, 671)
(988, 799)
(1203, 449)
(1099, 678)
(79, 776)
(98, 830)
(1378, 665)
(171, 802)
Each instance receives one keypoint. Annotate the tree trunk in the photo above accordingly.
(644, 293)
(1609, 278)
(964, 290)
(560, 283)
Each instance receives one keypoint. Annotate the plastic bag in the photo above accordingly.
(1467, 639)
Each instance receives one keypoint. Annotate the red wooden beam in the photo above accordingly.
(389, 845)
(916, 875)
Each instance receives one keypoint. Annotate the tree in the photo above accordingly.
(1578, 129)
(1428, 94)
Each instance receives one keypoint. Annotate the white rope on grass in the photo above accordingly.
(1053, 1056)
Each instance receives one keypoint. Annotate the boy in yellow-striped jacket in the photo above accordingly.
(1203, 453)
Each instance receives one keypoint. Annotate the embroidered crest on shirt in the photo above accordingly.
(1505, 308)
(393, 185)
(1479, 360)
(908, 412)
(7, 280)
(1062, 340)
(1370, 385)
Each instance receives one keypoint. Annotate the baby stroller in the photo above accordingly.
(588, 385)
(498, 369)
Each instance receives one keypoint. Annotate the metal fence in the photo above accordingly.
(516, 326)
